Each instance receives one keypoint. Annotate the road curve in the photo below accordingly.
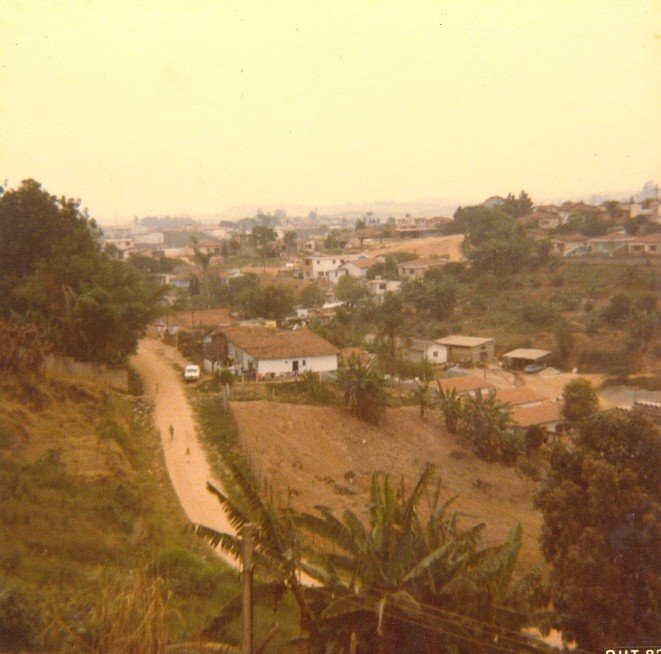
(185, 459)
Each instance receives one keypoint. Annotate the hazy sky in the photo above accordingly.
(195, 106)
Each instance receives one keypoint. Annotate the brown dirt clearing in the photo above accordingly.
(448, 246)
(325, 456)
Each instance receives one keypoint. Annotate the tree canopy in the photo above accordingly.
(54, 275)
(600, 532)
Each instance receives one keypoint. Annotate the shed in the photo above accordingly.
(422, 350)
(523, 356)
(468, 349)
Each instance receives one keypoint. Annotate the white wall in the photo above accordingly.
(441, 353)
(326, 363)
(237, 355)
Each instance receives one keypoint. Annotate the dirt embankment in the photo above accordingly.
(312, 455)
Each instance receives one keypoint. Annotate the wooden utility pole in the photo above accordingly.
(248, 544)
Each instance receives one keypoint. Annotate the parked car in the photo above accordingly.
(191, 373)
(534, 367)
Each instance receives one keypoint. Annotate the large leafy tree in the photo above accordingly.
(579, 400)
(600, 533)
(434, 295)
(53, 274)
(350, 290)
(273, 302)
(313, 295)
(494, 243)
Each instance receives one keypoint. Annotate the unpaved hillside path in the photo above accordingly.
(185, 459)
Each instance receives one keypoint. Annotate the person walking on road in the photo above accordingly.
(171, 430)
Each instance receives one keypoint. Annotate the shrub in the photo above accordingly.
(529, 469)
(364, 390)
(534, 438)
(19, 620)
(618, 310)
(538, 314)
(136, 387)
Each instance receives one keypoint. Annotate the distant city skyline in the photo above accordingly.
(198, 108)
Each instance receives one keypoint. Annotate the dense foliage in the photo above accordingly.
(53, 275)
(363, 387)
(410, 580)
(600, 533)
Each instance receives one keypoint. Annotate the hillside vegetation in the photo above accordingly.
(87, 508)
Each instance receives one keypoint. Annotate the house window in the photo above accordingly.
(435, 354)
(303, 361)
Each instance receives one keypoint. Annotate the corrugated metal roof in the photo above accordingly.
(463, 341)
(526, 353)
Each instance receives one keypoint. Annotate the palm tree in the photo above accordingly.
(487, 426)
(391, 322)
(204, 259)
(450, 405)
(364, 390)
(278, 547)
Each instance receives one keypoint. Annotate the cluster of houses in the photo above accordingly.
(263, 353)
(527, 408)
(611, 244)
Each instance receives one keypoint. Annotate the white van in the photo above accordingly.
(191, 373)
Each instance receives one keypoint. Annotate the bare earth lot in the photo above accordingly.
(449, 246)
(313, 450)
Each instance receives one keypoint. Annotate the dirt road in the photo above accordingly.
(184, 456)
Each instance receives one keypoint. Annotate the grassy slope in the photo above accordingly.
(85, 497)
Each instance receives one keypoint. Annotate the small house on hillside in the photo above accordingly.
(356, 268)
(474, 350)
(268, 353)
(520, 397)
(379, 287)
(422, 350)
(547, 415)
(417, 268)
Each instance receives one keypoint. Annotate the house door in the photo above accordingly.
(294, 366)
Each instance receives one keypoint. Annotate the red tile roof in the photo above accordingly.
(517, 396)
(542, 414)
(463, 384)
